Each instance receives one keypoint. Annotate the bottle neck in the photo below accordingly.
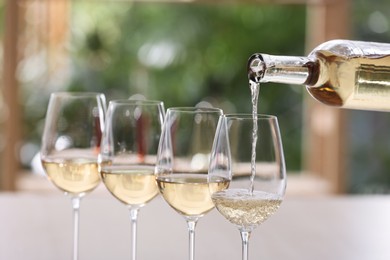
(279, 69)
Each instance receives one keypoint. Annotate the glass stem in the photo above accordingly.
(191, 223)
(134, 218)
(245, 243)
(76, 216)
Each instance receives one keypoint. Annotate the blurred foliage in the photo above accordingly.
(183, 54)
(178, 53)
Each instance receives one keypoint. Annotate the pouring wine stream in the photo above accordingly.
(255, 73)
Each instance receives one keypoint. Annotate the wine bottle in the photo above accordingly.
(340, 73)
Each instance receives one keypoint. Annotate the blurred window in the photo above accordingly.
(182, 54)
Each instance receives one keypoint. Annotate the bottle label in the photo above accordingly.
(372, 82)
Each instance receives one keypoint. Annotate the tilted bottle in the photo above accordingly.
(341, 73)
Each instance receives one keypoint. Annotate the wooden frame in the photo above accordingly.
(325, 147)
(10, 91)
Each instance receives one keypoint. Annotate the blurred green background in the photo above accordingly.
(181, 54)
(184, 54)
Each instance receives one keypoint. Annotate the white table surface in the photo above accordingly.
(38, 226)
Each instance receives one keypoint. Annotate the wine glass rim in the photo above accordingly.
(249, 116)
(195, 109)
(137, 101)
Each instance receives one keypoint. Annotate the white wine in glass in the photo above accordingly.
(128, 155)
(255, 167)
(182, 164)
(71, 144)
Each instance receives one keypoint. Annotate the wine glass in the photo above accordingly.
(128, 155)
(182, 163)
(70, 146)
(248, 151)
